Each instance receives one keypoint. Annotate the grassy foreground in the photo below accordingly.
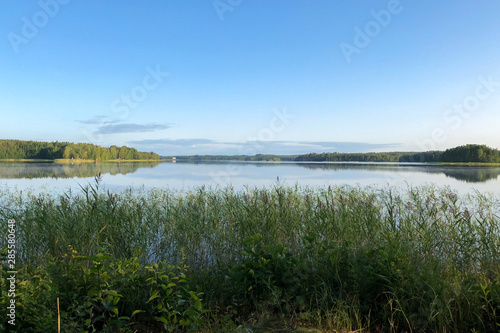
(259, 260)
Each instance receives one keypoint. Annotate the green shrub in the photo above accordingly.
(421, 259)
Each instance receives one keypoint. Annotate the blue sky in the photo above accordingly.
(242, 77)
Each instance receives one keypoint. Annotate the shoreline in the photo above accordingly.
(70, 161)
(64, 161)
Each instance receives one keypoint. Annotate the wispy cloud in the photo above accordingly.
(130, 128)
(207, 146)
(96, 120)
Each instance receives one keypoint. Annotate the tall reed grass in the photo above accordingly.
(382, 259)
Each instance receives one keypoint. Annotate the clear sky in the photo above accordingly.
(252, 76)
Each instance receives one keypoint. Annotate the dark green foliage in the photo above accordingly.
(35, 301)
(16, 149)
(427, 156)
(100, 293)
(380, 260)
(268, 277)
(351, 157)
(465, 154)
(462, 154)
(471, 153)
(173, 302)
(254, 158)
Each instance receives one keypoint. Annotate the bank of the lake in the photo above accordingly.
(26, 160)
(61, 160)
(467, 164)
(331, 258)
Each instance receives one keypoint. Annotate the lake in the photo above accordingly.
(182, 176)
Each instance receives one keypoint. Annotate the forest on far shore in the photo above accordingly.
(463, 154)
(17, 149)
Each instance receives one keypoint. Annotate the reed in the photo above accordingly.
(418, 259)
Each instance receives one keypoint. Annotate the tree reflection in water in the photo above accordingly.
(30, 170)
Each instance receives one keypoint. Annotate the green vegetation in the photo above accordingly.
(269, 259)
(471, 154)
(254, 158)
(427, 156)
(352, 157)
(16, 149)
(462, 154)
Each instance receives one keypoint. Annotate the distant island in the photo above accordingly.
(470, 153)
(67, 151)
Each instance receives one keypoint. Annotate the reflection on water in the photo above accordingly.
(470, 174)
(187, 175)
(30, 170)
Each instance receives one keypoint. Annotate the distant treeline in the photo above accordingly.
(16, 149)
(258, 157)
(351, 157)
(462, 154)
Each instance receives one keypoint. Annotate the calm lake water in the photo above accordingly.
(184, 176)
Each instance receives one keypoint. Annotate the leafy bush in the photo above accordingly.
(424, 259)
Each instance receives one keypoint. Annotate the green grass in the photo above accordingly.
(266, 259)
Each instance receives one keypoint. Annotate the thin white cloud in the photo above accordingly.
(207, 146)
(130, 128)
(97, 120)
